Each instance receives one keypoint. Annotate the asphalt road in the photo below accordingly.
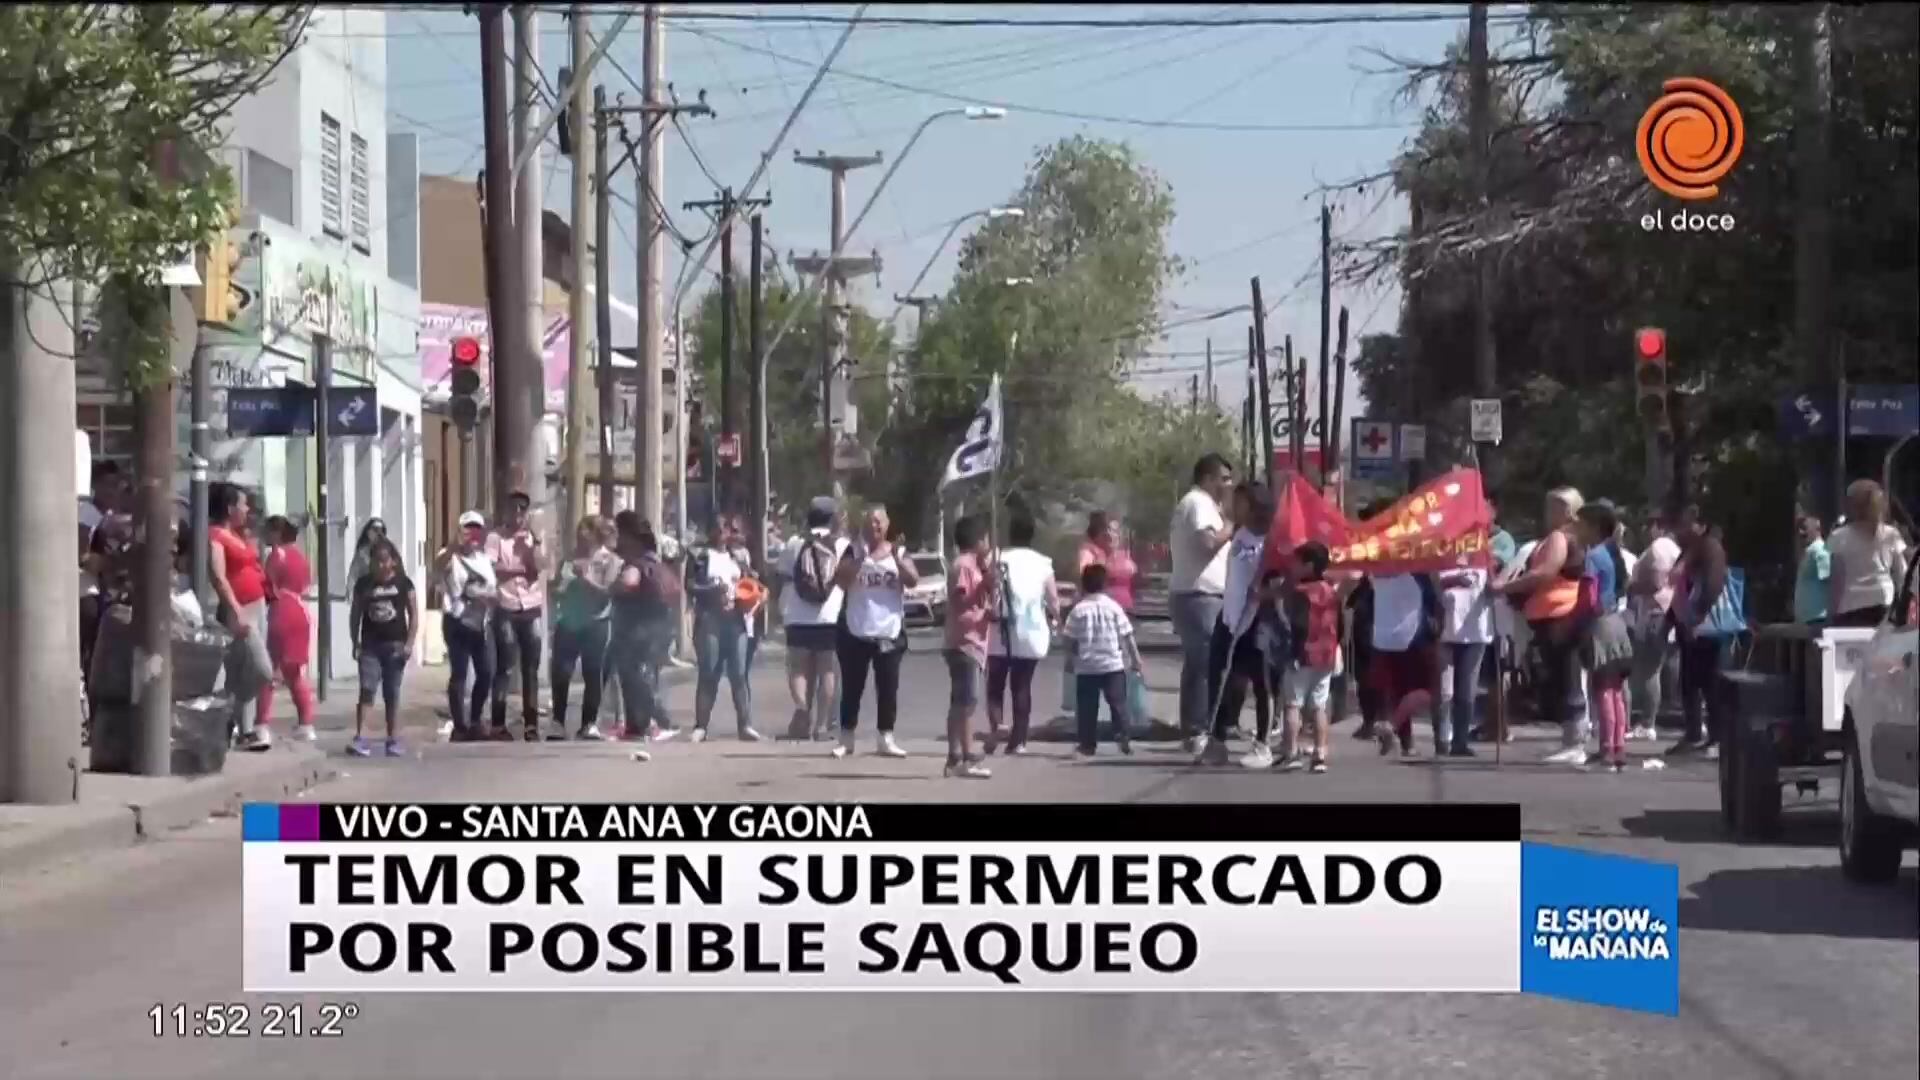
(1787, 970)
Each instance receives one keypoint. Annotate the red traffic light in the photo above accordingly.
(466, 351)
(1651, 342)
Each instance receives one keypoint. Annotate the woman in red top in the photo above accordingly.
(289, 636)
(241, 584)
(1102, 546)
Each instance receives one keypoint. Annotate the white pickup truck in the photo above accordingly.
(1880, 774)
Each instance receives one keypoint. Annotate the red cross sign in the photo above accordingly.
(1375, 439)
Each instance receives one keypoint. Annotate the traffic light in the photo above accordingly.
(1650, 378)
(218, 261)
(464, 402)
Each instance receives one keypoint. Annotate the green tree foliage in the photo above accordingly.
(93, 98)
(1093, 243)
(1575, 273)
(796, 457)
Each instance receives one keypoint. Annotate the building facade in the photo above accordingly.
(329, 243)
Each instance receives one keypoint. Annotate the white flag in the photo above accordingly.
(979, 452)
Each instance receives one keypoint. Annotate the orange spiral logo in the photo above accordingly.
(1690, 139)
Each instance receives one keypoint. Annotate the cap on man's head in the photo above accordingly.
(824, 505)
(473, 519)
(520, 497)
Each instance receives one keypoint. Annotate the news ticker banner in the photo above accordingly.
(947, 897)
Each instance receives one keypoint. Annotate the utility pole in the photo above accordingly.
(1210, 397)
(757, 401)
(527, 404)
(503, 307)
(647, 433)
(603, 300)
(580, 351)
(1326, 329)
(1479, 138)
(834, 315)
(1249, 406)
(39, 643)
(1813, 240)
(725, 208)
(1258, 339)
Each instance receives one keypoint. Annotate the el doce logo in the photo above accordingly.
(1690, 139)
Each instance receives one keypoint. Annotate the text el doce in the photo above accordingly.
(1049, 885)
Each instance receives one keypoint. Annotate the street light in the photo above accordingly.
(971, 112)
(995, 213)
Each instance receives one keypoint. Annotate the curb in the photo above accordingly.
(192, 802)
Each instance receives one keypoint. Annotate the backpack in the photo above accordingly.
(1316, 620)
(659, 585)
(813, 571)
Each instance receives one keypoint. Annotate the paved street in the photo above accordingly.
(1787, 971)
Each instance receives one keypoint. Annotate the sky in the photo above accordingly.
(1245, 123)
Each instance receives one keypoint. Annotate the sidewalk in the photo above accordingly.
(114, 811)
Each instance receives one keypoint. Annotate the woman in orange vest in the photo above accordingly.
(1548, 594)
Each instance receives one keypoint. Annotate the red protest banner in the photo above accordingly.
(1441, 525)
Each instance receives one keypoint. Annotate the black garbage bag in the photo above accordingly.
(199, 657)
(201, 736)
(110, 682)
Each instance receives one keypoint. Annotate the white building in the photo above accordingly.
(330, 239)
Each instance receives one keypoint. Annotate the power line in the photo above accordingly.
(1158, 21)
(1065, 114)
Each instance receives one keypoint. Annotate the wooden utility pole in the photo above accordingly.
(725, 208)
(1326, 329)
(603, 301)
(652, 259)
(1260, 369)
(1813, 238)
(1479, 139)
(580, 351)
(527, 405)
(1210, 395)
(504, 310)
(756, 400)
(1330, 433)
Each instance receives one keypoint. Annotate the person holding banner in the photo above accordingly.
(873, 641)
(1236, 660)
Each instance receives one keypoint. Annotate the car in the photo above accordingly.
(1880, 776)
(1150, 596)
(926, 602)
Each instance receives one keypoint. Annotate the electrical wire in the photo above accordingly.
(1037, 110)
(1158, 21)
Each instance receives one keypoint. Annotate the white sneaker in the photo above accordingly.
(968, 770)
(305, 734)
(844, 747)
(1260, 756)
(1644, 734)
(1197, 746)
(557, 733)
(749, 734)
(697, 736)
(259, 739)
(1572, 755)
(887, 747)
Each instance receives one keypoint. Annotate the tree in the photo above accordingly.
(99, 102)
(1093, 242)
(793, 378)
(1576, 272)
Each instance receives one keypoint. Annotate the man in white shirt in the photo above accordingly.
(1198, 538)
(810, 609)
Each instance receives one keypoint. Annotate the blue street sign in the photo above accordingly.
(279, 411)
(270, 411)
(1873, 411)
(354, 411)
